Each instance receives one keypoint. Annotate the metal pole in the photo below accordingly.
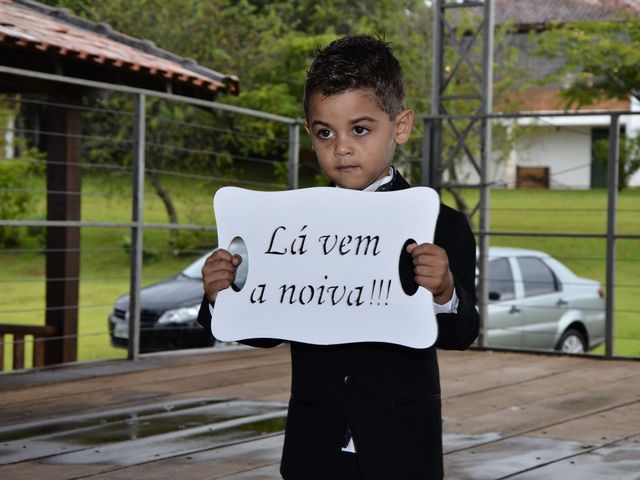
(434, 150)
(486, 145)
(612, 186)
(437, 54)
(427, 160)
(136, 230)
(435, 164)
(294, 156)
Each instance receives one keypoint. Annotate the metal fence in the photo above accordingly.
(609, 251)
(131, 139)
(124, 223)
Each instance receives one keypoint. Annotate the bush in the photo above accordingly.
(16, 202)
(148, 256)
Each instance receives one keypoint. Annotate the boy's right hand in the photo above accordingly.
(218, 272)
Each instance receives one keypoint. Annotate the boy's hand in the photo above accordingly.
(218, 272)
(431, 268)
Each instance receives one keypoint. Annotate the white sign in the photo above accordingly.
(322, 265)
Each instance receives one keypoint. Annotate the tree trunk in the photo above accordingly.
(461, 203)
(168, 204)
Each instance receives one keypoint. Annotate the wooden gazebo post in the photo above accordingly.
(64, 125)
(47, 50)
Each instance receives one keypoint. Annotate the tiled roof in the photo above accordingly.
(32, 25)
(542, 12)
(548, 100)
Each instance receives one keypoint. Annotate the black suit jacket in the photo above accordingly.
(387, 395)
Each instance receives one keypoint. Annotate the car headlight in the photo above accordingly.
(179, 315)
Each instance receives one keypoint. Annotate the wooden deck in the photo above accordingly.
(219, 414)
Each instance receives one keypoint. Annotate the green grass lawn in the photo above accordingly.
(104, 266)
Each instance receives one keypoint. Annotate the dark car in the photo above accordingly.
(168, 312)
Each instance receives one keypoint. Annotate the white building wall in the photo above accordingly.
(633, 130)
(561, 143)
(565, 150)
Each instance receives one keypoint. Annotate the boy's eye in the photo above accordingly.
(360, 131)
(324, 133)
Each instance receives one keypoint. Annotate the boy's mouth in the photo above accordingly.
(347, 168)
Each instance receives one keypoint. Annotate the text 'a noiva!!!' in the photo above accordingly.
(330, 295)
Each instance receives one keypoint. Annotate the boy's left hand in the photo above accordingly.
(431, 268)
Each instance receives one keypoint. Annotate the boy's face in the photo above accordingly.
(353, 138)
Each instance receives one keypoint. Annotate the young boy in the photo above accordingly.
(368, 410)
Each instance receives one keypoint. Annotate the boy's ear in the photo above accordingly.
(404, 124)
(306, 127)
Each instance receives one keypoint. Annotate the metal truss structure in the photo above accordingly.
(455, 52)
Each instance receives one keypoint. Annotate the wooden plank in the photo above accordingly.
(620, 461)
(518, 413)
(210, 464)
(19, 332)
(534, 457)
(276, 389)
(32, 470)
(588, 432)
(116, 392)
(497, 374)
(507, 457)
(546, 412)
(601, 428)
(38, 352)
(41, 330)
(143, 434)
(269, 472)
(102, 368)
(497, 394)
(161, 372)
(468, 362)
(18, 351)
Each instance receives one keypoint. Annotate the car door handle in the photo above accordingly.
(514, 309)
(561, 303)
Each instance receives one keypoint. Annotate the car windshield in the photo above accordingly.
(195, 269)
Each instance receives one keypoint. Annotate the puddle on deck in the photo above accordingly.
(103, 419)
(149, 432)
(117, 438)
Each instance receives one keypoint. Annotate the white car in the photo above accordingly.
(536, 302)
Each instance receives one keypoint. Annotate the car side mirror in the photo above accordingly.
(494, 295)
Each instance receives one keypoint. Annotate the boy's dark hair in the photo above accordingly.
(357, 62)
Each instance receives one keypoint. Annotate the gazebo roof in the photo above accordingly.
(528, 14)
(47, 39)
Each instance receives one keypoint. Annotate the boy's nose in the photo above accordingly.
(342, 148)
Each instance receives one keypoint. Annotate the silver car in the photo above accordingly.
(536, 302)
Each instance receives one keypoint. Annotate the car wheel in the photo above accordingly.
(572, 341)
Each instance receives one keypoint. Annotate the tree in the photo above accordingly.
(17, 197)
(601, 61)
(268, 45)
(628, 160)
